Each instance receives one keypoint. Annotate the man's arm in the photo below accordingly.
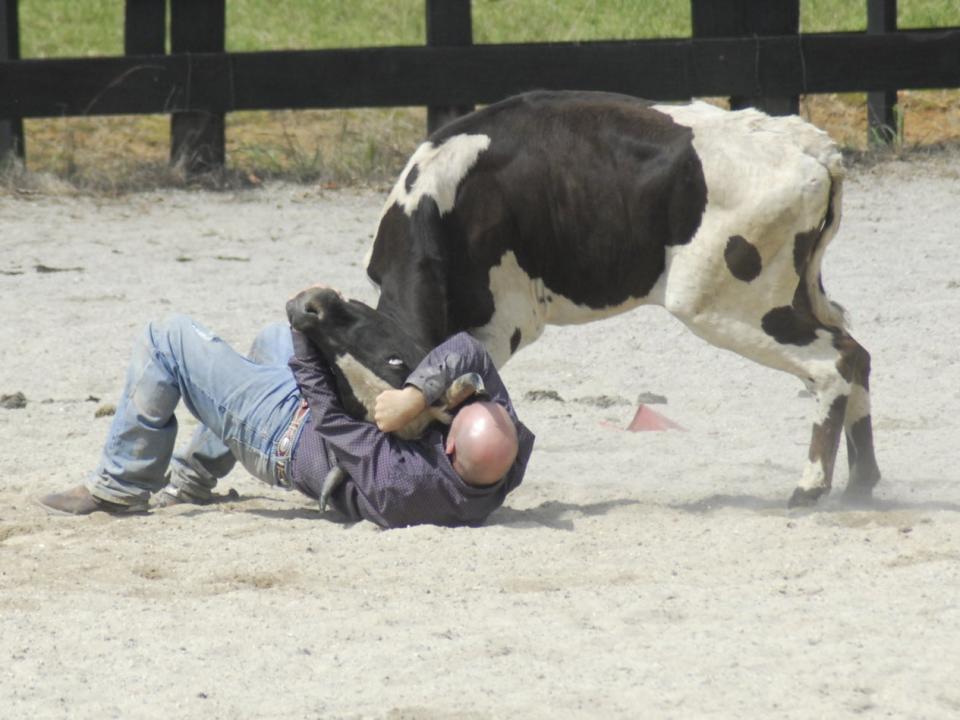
(395, 408)
(358, 446)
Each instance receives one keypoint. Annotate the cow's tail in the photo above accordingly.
(825, 310)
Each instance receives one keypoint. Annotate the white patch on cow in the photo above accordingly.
(768, 178)
(858, 406)
(519, 306)
(527, 304)
(560, 310)
(440, 168)
(365, 383)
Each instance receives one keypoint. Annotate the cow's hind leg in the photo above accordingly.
(817, 355)
(827, 364)
(864, 472)
(831, 364)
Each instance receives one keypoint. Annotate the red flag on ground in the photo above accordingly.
(647, 420)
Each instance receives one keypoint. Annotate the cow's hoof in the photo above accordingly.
(464, 387)
(804, 498)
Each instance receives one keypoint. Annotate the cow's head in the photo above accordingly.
(367, 351)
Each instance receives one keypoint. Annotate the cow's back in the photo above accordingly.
(572, 204)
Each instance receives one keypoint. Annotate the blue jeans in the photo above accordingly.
(244, 404)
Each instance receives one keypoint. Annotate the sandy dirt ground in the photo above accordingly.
(653, 575)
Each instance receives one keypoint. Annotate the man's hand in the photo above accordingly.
(395, 408)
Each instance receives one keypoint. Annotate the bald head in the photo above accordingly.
(482, 442)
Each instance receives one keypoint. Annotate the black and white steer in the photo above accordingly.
(564, 207)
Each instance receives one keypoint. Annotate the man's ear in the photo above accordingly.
(451, 445)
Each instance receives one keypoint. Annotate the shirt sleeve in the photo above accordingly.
(458, 355)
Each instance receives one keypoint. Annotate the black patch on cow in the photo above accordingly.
(515, 341)
(804, 244)
(410, 180)
(854, 362)
(587, 189)
(864, 473)
(410, 263)
(394, 226)
(788, 327)
(743, 259)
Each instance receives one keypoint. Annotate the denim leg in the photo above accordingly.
(244, 404)
(195, 471)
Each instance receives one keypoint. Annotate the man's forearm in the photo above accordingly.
(395, 408)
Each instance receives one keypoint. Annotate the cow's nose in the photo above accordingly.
(303, 308)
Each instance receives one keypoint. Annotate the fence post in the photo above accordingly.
(145, 27)
(882, 125)
(749, 18)
(197, 138)
(11, 129)
(449, 22)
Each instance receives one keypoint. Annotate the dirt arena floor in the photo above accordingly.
(654, 575)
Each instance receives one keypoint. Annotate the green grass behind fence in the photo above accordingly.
(365, 145)
(64, 28)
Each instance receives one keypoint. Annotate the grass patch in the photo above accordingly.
(847, 15)
(71, 28)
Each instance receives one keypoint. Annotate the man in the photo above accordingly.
(289, 429)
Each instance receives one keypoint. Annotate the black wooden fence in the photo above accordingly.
(750, 50)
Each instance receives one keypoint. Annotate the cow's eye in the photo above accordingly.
(394, 361)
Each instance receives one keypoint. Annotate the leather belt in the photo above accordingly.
(285, 446)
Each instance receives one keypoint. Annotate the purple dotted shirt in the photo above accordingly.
(395, 482)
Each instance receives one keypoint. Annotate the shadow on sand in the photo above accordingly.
(239, 503)
(831, 504)
(556, 515)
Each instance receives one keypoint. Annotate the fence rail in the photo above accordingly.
(198, 87)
